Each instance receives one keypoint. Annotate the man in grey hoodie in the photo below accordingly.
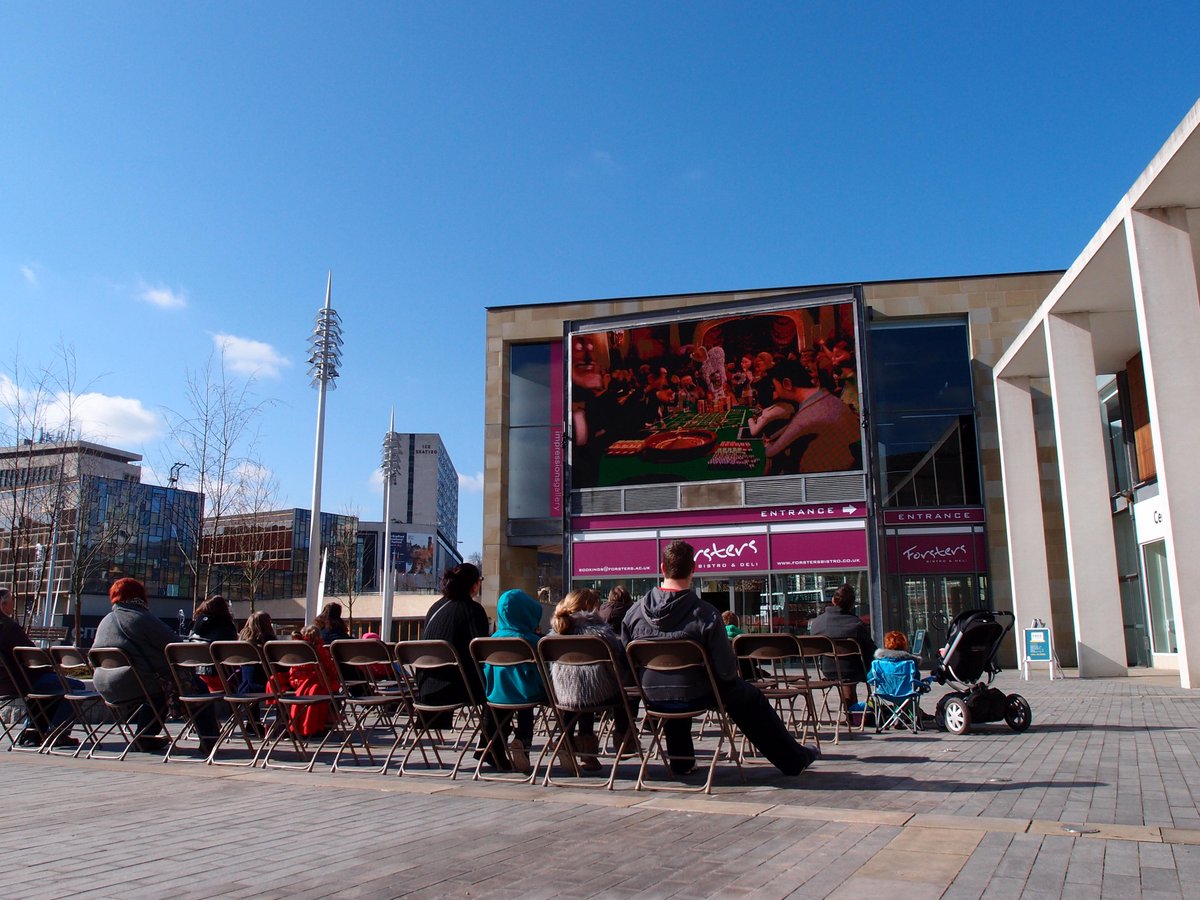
(673, 611)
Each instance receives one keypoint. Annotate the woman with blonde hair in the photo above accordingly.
(587, 686)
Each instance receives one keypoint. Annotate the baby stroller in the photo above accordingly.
(970, 655)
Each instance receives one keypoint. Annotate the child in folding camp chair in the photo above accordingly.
(896, 685)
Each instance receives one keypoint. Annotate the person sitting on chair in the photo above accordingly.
(53, 713)
(673, 611)
(839, 621)
(895, 649)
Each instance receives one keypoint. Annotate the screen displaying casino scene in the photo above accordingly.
(721, 397)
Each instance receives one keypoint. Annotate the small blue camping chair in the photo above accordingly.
(894, 694)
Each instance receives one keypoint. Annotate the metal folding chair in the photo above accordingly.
(125, 712)
(196, 699)
(30, 664)
(10, 701)
(379, 704)
(249, 711)
(770, 654)
(814, 649)
(283, 657)
(681, 656)
(583, 650)
(502, 653)
(84, 703)
(430, 720)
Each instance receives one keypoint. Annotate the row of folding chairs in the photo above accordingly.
(809, 669)
(375, 715)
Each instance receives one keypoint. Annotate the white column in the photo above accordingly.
(1087, 514)
(1023, 519)
(1168, 313)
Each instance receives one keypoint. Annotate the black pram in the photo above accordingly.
(968, 664)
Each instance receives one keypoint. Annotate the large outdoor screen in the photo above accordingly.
(726, 395)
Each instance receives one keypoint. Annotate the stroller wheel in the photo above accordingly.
(1017, 713)
(956, 715)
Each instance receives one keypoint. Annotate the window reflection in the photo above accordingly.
(924, 412)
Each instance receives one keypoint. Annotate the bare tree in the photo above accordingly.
(38, 421)
(213, 437)
(344, 559)
(256, 541)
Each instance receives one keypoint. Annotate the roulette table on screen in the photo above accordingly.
(686, 446)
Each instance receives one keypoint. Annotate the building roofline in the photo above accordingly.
(59, 446)
(762, 290)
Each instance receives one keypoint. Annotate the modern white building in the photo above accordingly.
(1124, 320)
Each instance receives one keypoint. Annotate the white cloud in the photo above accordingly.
(603, 158)
(375, 482)
(120, 421)
(470, 484)
(162, 297)
(248, 357)
(30, 275)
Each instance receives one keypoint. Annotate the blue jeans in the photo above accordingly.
(57, 711)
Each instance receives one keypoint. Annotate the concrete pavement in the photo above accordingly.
(1101, 798)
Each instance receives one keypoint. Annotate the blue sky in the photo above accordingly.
(177, 175)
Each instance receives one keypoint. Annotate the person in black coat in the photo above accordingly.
(839, 621)
(458, 618)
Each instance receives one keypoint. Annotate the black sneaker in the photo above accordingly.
(65, 740)
(155, 744)
(29, 738)
(807, 758)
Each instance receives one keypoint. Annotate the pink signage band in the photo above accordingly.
(801, 512)
(930, 554)
(751, 552)
(557, 463)
(967, 515)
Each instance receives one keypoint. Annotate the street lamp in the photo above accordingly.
(324, 360)
(391, 470)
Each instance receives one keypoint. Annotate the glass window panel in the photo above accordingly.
(529, 385)
(921, 365)
(1158, 595)
(529, 473)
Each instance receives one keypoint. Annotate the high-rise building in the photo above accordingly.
(423, 513)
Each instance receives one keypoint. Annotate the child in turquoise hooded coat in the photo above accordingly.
(517, 615)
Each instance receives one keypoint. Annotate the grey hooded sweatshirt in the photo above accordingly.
(674, 615)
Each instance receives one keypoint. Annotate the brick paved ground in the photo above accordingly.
(929, 815)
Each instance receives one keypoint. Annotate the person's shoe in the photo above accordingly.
(589, 749)
(151, 744)
(807, 758)
(564, 760)
(64, 740)
(519, 756)
(29, 738)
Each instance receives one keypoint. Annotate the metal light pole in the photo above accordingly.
(391, 469)
(324, 360)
